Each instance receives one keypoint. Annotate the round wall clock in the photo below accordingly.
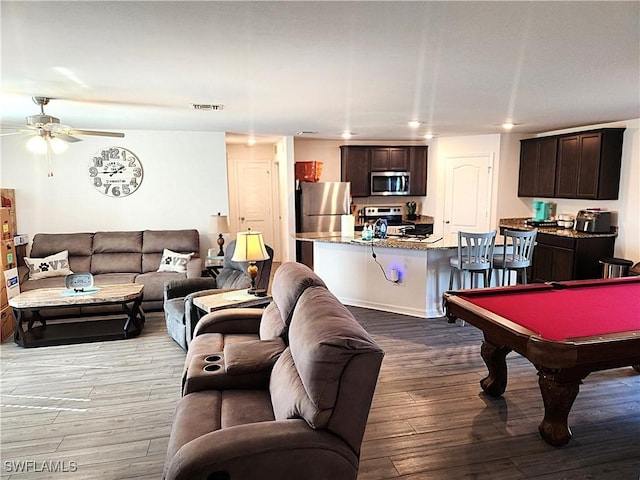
(116, 172)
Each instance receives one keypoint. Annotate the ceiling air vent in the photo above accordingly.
(306, 132)
(206, 106)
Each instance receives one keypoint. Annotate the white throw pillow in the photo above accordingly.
(173, 261)
(56, 265)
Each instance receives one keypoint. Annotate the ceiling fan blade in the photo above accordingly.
(97, 133)
(13, 133)
(67, 138)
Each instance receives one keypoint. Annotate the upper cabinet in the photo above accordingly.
(584, 165)
(418, 171)
(357, 163)
(355, 169)
(538, 167)
(390, 158)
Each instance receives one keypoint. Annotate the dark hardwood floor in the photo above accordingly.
(103, 410)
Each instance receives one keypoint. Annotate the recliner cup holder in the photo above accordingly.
(212, 358)
(212, 367)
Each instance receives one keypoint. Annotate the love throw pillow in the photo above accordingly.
(174, 262)
(56, 265)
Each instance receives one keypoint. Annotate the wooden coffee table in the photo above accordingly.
(61, 329)
(229, 299)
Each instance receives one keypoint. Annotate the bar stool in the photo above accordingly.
(518, 252)
(475, 255)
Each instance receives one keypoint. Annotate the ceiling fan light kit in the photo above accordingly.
(52, 137)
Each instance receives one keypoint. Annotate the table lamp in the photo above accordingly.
(219, 224)
(250, 248)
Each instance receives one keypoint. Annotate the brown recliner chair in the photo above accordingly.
(181, 315)
(234, 325)
(302, 417)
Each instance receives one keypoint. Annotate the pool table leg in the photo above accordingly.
(558, 399)
(494, 357)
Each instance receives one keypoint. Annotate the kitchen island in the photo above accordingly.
(363, 273)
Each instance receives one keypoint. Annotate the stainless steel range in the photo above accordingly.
(395, 225)
(393, 215)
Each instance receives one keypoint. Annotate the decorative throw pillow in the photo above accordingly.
(56, 265)
(173, 261)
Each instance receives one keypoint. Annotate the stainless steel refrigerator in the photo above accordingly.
(319, 207)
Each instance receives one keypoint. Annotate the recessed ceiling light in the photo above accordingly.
(428, 136)
(347, 135)
(508, 125)
(415, 123)
(251, 141)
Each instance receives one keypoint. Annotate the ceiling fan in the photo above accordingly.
(49, 135)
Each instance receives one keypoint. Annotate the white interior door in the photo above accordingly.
(467, 204)
(255, 200)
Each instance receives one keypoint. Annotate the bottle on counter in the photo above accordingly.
(382, 233)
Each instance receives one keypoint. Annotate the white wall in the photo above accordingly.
(185, 181)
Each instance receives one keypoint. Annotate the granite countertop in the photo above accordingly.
(430, 243)
(520, 224)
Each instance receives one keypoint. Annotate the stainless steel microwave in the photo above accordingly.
(389, 183)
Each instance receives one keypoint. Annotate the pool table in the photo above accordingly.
(566, 329)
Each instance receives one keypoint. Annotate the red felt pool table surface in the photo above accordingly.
(583, 309)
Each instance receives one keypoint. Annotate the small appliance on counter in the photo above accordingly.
(565, 220)
(593, 220)
(540, 211)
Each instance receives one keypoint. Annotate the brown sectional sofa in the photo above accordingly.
(118, 257)
(282, 393)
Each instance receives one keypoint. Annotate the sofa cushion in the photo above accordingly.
(117, 242)
(116, 263)
(56, 265)
(271, 324)
(155, 241)
(288, 395)
(252, 356)
(77, 244)
(289, 281)
(240, 407)
(323, 339)
(173, 261)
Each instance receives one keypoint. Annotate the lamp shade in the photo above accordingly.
(250, 247)
(218, 224)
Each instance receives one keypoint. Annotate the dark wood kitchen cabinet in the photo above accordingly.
(589, 164)
(558, 258)
(418, 171)
(537, 176)
(355, 169)
(389, 158)
(583, 165)
(357, 163)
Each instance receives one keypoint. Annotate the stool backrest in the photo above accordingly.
(518, 248)
(475, 250)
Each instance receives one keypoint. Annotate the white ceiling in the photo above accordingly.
(284, 67)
